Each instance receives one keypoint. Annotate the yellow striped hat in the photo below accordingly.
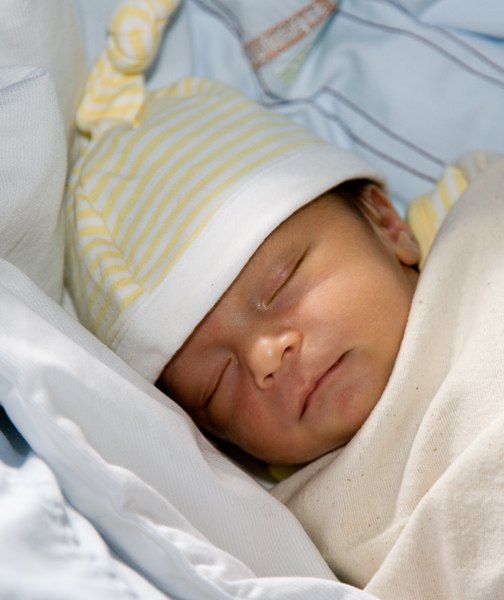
(174, 191)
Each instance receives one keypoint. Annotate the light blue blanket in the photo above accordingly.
(408, 84)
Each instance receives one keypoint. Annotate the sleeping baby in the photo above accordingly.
(263, 279)
(295, 354)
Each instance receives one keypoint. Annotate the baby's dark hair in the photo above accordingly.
(351, 193)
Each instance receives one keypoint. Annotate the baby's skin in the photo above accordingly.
(295, 355)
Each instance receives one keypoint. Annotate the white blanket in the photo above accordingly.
(132, 463)
(413, 506)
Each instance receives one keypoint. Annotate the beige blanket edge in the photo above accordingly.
(413, 506)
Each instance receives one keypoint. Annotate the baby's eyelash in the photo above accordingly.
(288, 279)
(214, 391)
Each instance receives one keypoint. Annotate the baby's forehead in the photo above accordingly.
(282, 244)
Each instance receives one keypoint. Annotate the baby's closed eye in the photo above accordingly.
(282, 280)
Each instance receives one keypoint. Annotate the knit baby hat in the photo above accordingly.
(173, 192)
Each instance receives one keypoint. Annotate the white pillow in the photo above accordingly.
(45, 33)
(37, 112)
(32, 176)
(132, 462)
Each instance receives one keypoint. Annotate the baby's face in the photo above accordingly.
(291, 361)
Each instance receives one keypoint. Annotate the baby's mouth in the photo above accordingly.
(319, 382)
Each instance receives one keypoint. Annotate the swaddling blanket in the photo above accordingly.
(413, 506)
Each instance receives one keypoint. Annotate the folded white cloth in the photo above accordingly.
(413, 506)
(41, 534)
(133, 463)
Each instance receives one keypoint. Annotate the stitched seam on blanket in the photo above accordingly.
(447, 34)
(427, 42)
(224, 15)
(332, 116)
(379, 125)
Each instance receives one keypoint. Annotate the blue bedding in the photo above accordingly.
(409, 85)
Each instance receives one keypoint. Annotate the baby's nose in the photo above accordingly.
(266, 355)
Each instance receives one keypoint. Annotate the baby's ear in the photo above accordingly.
(389, 225)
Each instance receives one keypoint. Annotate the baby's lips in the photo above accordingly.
(317, 382)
